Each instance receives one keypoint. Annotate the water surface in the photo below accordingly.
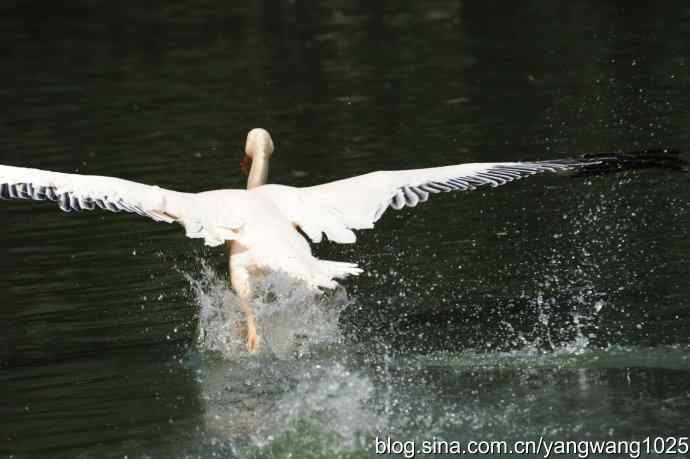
(551, 307)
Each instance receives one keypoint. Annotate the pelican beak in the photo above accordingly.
(246, 164)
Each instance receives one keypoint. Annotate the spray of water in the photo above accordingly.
(299, 392)
(290, 316)
(571, 288)
(329, 401)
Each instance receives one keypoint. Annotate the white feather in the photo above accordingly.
(336, 208)
(263, 218)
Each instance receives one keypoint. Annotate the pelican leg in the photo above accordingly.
(240, 281)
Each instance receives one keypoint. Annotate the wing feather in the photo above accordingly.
(74, 192)
(337, 208)
(210, 216)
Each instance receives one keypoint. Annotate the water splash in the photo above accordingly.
(571, 286)
(290, 316)
(297, 393)
(262, 406)
(328, 402)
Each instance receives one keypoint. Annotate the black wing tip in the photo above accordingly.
(649, 158)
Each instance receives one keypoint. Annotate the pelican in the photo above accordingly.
(264, 226)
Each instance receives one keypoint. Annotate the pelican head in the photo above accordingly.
(259, 145)
(259, 141)
(257, 151)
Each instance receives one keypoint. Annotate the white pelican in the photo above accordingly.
(260, 225)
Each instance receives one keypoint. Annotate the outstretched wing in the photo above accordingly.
(74, 192)
(338, 207)
(214, 216)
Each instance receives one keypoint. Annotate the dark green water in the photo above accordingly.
(552, 307)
